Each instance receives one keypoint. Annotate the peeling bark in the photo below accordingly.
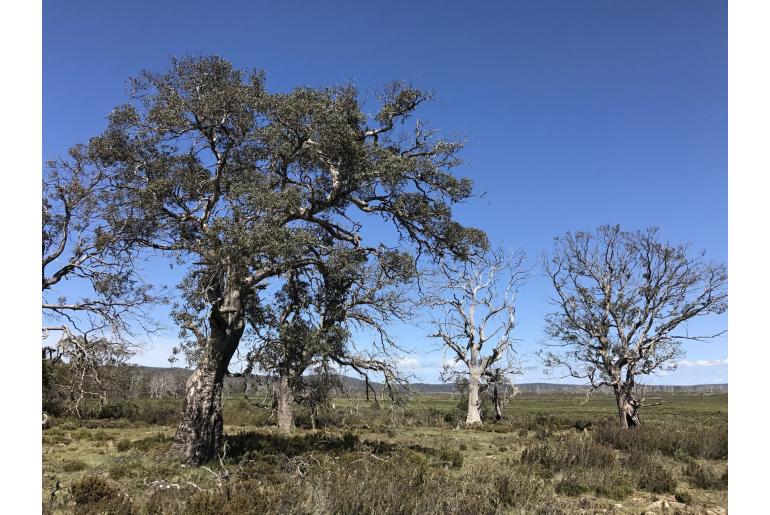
(284, 405)
(199, 436)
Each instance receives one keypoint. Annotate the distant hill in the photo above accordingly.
(355, 385)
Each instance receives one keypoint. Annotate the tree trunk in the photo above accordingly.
(474, 401)
(199, 436)
(285, 404)
(498, 402)
(627, 410)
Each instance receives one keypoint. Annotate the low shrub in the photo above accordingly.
(95, 495)
(615, 483)
(73, 465)
(123, 468)
(56, 439)
(81, 434)
(156, 442)
(568, 452)
(101, 436)
(652, 475)
(571, 486)
(705, 476)
(451, 457)
(678, 442)
(682, 495)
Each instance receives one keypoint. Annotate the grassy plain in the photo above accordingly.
(551, 454)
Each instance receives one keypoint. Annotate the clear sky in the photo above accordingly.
(576, 113)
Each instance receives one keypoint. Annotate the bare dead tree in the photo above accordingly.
(473, 302)
(621, 298)
(163, 385)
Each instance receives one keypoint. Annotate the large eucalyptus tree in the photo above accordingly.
(243, 185)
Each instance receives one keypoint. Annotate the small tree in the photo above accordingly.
(474, 302)
(621, 297)
(316, 391)
(310, 321)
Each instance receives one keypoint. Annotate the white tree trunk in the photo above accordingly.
(474, 416)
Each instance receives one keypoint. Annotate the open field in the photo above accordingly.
(551, 454)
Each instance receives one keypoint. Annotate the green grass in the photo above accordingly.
(551, 454)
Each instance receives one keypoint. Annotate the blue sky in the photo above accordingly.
(576, 113)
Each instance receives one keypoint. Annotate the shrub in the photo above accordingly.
(100, 436)
(683, 496)
(123, 445)
(92, 490)
(678, 442)
(123, 468)
(451, 457)
(81, 434)
(653, 475)
(704, 476)
(95, 495)
(73, 465)
(56, 439)
(564, 453)
(571, 486)
(519, 488)
(616, 484)
(118, 410)
(157, 441)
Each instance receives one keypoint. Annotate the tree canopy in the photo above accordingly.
(623, 299)
(244, 185)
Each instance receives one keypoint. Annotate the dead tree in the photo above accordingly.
(474, 306)
(621, 297)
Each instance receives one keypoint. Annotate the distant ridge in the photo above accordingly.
(354, 384)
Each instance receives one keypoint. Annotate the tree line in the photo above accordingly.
(302, 219)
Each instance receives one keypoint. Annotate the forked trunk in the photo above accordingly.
(628, 410)
(199, 436)
(284, 404)
(474, 401)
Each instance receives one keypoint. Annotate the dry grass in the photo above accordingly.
(366, 460)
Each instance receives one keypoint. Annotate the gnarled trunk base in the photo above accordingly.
(628, 410)
(199, 436)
